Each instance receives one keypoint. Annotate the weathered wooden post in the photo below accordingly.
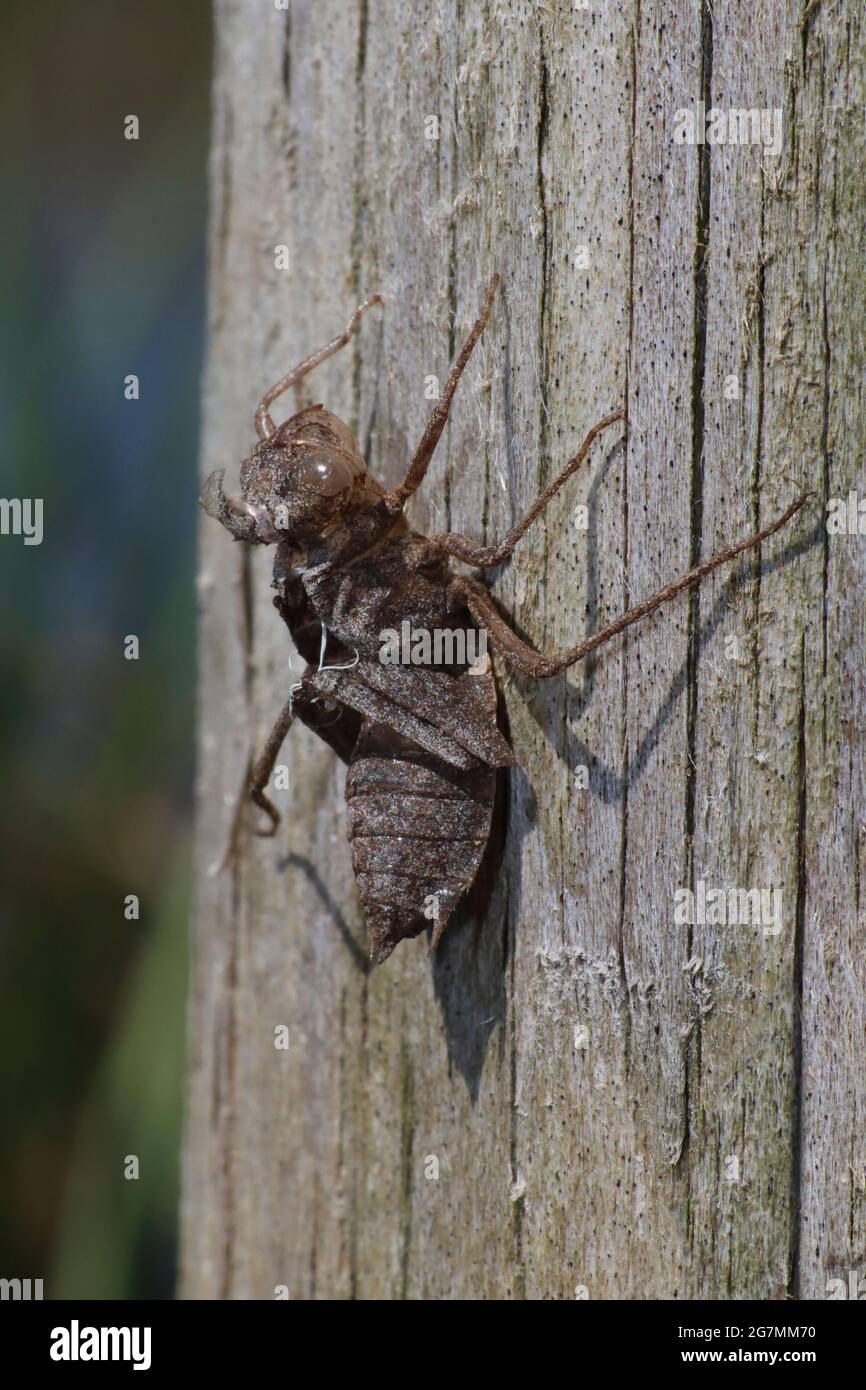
(608, 1084)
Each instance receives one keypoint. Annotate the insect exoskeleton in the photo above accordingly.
(421, 742)
(296, 483)
(418, 828)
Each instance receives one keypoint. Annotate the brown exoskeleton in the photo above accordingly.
(422, 744)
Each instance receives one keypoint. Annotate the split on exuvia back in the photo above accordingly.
(422, 743)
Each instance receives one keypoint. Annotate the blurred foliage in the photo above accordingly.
(101, 275)
(118, 1234)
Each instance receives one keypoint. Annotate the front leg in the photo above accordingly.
(397, 499)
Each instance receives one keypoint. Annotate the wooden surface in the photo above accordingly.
(703, 1132)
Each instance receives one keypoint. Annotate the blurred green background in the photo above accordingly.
(102, 272)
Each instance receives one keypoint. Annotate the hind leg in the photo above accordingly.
(264, 766)
(532, 663)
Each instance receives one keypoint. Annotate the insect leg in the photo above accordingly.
(439, 415)
(264, 766)
(452, 543)
(264, 423)
(532, 663)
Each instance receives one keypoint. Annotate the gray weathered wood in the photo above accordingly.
(704, 1134)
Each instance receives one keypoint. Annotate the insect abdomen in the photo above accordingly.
(418, 829)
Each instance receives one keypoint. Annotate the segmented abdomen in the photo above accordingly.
(418, 828)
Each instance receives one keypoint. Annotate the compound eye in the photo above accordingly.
(324, 472)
